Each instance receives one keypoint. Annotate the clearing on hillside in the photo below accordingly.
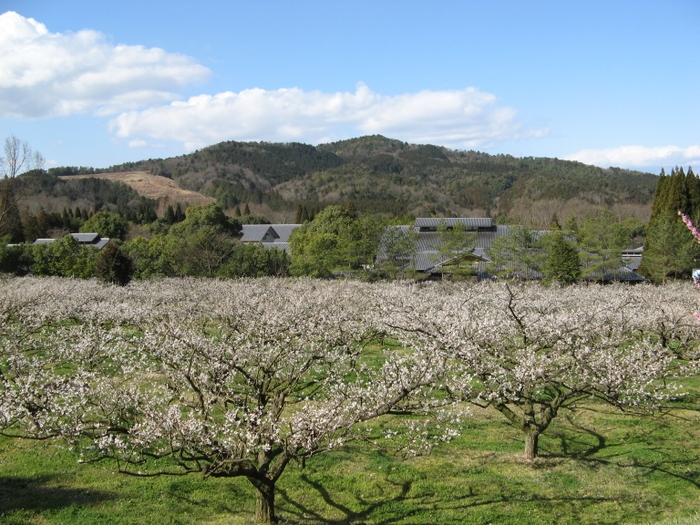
(152, 187)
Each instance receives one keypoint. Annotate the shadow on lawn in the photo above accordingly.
(38, 494)
(350, 516)
(574, 445)
(412, 506)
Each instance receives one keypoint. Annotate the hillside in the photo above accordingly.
(389, 176)
(150, 186)
(38, 189)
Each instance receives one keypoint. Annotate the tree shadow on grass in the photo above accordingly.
(402, 506)
(350, 516)
(575, 445)
(39, 494)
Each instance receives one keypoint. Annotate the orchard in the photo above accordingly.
(241, 378)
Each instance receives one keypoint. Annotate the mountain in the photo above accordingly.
(383, 175)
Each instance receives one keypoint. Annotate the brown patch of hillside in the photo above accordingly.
(153, 187)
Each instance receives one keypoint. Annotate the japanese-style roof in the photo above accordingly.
(267, 232)
(101, 243)
(284, 231)
(633, 263)
(86, 238)
(632, 259)
(91, 239)
(258, 233)
(427, 257)
(469, 223)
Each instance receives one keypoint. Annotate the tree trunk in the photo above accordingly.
(531, 438)
(265, 501)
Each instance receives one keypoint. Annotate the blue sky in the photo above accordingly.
(611, 83)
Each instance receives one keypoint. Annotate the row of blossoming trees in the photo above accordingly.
(240, 378)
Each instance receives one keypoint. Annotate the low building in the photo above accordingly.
(269, 235)
(86, 239)
(426, 257)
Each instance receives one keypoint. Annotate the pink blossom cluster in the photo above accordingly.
(696, 234)
(686, 220)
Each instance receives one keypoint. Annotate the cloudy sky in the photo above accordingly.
(606, 82)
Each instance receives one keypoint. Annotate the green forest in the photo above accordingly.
(346, 194)
(384, 175)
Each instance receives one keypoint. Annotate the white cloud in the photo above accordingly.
(639, 156)
(466, 118)
(45, 74)
(138, 144)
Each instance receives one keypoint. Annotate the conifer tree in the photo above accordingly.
(554, 222)
(114, 266)
(693, 188)
(179, 214)
(30, 226)
(571, 225)
(169, 216)
(666, 252)
(10, 218)
(661, 189)
(246, 210)
(65, 218)
(563, 263)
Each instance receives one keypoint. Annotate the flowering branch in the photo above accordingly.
(696, 275)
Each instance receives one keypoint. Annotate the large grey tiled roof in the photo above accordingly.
(86, 238)
(284, 231)
(258, 233)
(470, 223)
(267, 232)
(427, 259)
(90, 239)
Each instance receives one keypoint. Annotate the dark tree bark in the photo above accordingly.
(532, 436)
(264, 501)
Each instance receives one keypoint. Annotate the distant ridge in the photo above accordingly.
(384, 175)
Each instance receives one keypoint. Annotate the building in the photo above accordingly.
(424, 255)
(85, 239)
(269, 235)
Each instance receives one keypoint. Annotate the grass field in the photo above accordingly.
(597, 466)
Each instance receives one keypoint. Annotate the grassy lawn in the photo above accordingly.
(597, 466)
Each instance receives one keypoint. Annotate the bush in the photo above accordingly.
(114, 266)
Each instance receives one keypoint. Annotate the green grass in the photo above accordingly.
(598, 467)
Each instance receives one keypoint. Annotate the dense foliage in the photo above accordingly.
(335, 238)
(382, 175)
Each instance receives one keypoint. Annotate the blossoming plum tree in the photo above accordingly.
(530, 352)
(273, 374)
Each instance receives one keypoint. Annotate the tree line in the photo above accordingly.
(339, 238)
(202, 241)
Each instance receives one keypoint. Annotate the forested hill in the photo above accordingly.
(384, 175)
